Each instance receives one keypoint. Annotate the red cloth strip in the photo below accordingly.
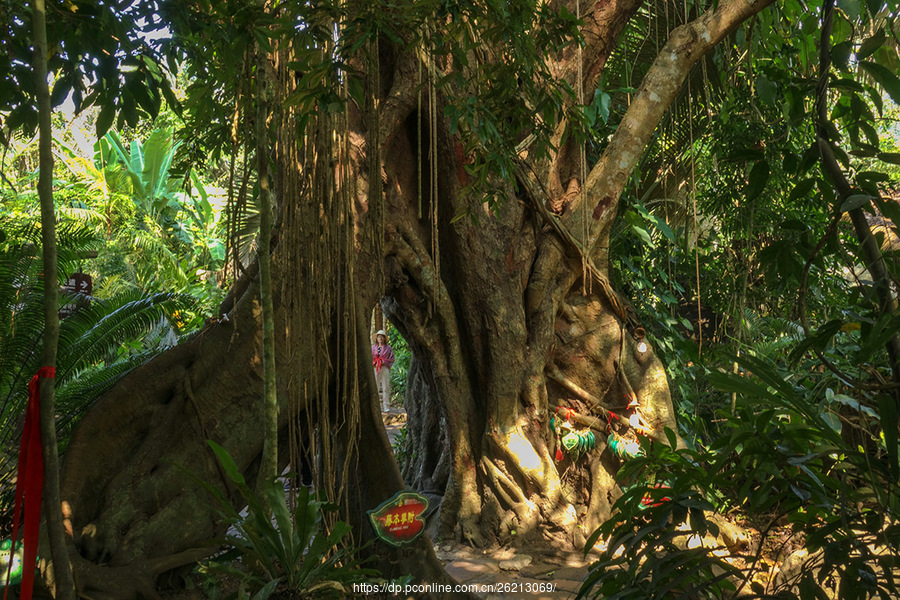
(29, 485)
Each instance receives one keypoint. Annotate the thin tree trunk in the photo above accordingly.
(65, 587)
(269, 464)
(872, 256)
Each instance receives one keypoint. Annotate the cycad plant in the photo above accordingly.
(101, 342)
(283, 549)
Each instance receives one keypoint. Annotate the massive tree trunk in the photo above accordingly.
(509, 315)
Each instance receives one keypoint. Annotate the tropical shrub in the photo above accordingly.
(101, 342)
(278, 548)
(783, 461)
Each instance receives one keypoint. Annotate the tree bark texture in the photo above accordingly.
(61, 572)
(503, 326)
(270, 402)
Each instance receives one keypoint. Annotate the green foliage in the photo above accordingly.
(187, 224)
(283, 549)
(400, 370)
(99, 344)
(159, 230)
(804, 449)
(781, 458)
(100, 57)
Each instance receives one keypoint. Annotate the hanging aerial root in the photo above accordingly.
(539, 201)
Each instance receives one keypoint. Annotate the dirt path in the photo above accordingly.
(515, 573)
(538, 574)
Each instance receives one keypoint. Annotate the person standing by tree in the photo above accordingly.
(383, 360)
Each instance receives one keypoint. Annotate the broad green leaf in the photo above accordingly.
(832, 421)
(766, 89)
(105, 119)
(840, 54)
(227, 463)
(61, 89)
(810, 157)
(850, 8)
(157, 155)
(855, 201)
(855, 405)
(868, 47)
(885, 78)
(759, 176)
(267, 590)
(642, 233)
(803, 188)
(729, 382)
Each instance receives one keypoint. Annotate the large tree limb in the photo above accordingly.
(606, 181)
(581, 66)
(686, 45)
(603, 25)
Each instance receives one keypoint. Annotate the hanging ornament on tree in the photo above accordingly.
(636, 420)
(624, 448)
(571, 442)
(574, 442)
(639, 335)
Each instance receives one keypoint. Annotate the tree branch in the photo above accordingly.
(686, 45)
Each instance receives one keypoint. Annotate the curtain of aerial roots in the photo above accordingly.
(318, 290)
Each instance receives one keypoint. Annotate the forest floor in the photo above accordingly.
(539, 573)
(515, 573)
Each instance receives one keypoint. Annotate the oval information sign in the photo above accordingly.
(398, 520)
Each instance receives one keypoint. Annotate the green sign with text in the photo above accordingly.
(398, 520)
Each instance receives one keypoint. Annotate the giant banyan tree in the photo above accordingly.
(434, 158)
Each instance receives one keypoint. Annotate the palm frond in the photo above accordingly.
(88, 336)
(87, 339)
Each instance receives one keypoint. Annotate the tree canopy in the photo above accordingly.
(641, 254)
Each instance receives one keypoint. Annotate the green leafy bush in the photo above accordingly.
(400, 370)
(782, 460)
(277, 548)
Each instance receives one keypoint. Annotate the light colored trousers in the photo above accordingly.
(383, 379)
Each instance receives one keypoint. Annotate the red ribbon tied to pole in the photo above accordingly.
(29, 485)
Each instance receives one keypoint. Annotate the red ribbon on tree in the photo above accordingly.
(29, 485)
